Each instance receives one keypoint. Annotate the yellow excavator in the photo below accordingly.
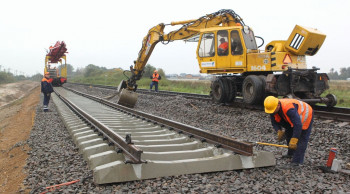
(227, 48)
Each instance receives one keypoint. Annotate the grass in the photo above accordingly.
(195, 86)
(341, 89)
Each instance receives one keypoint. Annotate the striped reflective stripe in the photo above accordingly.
(302, 110)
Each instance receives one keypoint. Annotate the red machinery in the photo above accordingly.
(57, 51)
(55, 55)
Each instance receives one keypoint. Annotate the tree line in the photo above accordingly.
(92, 70)
(343, 74)
(8, 77)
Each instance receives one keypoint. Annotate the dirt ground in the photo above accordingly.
(17, 111)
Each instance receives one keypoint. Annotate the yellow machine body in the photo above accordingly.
(250, 59)
(57, 74)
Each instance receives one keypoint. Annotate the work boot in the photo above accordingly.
(46, 109)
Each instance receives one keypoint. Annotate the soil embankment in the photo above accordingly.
(17, 111)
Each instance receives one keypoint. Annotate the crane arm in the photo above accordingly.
(189, 29)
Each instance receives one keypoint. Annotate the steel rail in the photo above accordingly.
(131, 151)
(243, 148)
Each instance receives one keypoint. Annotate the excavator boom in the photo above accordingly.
(156, 34)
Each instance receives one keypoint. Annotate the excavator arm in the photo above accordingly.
(189, 28)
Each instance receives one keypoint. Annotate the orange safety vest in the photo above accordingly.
(155, 77)
(224, 46)
(46, 80)
(304, 111)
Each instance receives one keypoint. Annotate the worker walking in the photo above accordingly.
(297, 118)
(46, 89)
(155, 79)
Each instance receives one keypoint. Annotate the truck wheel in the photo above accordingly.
(218, 91)
(263, 80)
(252, 90)
(231, 90)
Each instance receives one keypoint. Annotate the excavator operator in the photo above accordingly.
(297, 118)
(223, 47)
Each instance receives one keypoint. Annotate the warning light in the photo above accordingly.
(284, 66)
(287, 59)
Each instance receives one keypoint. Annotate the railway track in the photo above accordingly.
(121, 144)
(323, 112)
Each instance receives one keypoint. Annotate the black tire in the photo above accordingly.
(263, 80)
(231, 90)
(218, 91)
(252, 90)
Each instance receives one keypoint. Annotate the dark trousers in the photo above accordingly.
(155, 84)
(299, 153)
(46, 99)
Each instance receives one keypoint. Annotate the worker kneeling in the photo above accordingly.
(297, 118)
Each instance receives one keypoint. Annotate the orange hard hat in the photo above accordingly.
(47, 73)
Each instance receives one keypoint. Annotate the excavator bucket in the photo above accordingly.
(127, 97)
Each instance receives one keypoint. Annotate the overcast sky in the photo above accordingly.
(109, 33)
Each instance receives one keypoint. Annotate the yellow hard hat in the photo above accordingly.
(270, 104)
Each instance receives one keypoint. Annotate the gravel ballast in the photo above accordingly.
(54, 158)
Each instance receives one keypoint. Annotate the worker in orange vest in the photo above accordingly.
(223, 47)
(297, 118)
(46, 89)
(155, 79)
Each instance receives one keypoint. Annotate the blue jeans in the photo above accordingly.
(155, 84)
(46, 99)
(299, 153)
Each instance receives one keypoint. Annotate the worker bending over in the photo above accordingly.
(155, 79)
(46, 89)
(297, 118)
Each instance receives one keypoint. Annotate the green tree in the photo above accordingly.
(161, 73)
(6, 77)
(333, 75)
(70, 70)
(93, 70)
(148, 70)
(344, 73)
(37, 77)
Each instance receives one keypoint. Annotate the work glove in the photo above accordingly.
(280, 135)
(48, 94)
(293, 143)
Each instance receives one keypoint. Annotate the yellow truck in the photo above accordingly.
(227, 48)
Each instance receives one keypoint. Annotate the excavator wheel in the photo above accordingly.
(218, 91)
(231, 90)
(263, 80)
(252, 90)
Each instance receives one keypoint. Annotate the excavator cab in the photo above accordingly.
(223, 49)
